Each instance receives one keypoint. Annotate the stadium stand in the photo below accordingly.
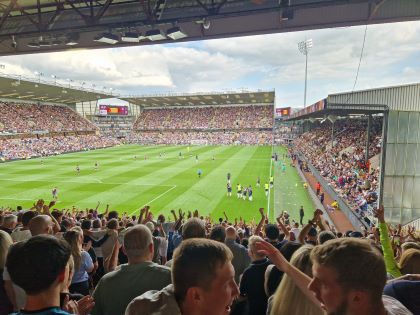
(208, 125)
(28, 118)
(343, 165)
(33, 130)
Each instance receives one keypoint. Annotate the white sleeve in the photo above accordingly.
(6, 275)
(163, 247)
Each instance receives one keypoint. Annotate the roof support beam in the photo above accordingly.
(7, 11)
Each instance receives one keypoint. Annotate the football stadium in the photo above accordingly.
(120, 197)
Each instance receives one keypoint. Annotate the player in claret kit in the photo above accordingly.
(54, 193)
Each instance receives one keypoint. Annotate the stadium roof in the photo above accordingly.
(204, 99)
(324, 107)
(21, 89)
(29, 26)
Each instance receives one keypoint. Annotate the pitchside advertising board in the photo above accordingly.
(105, 110)
(283, 112)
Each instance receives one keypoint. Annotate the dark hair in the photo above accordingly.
(324, 236)
(358, 265)
(289, 249)
(193, 228)
(112, 215)
(96, 223)
(272, 232)
(27, 216)
(218, 233)
(112, 224)
(36, 263)
(244, 242)
(86, 224)
(195, 263)
(56, 214)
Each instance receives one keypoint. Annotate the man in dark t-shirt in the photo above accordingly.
(251, 286)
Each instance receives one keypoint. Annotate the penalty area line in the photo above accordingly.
(154, 199)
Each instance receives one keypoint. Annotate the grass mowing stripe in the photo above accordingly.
(127, 184)
(290, 194)
(246, 175)
(208, 189)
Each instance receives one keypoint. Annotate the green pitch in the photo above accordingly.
(164, 182)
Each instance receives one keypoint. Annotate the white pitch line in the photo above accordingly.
(269, 190)
(81, 182)
(149, 202)
(14, 198)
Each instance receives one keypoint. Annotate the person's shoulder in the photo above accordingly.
(160, 268)
(154, 302)
(394, 307)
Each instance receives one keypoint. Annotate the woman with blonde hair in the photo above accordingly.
(82, 262)
(6, 306)
(288, 298)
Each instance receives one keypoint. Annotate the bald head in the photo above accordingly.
(231, 233)
(41, 224)
(138, 243)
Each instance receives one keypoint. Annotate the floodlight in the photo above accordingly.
(33, 45)
(107, 38)
(155, 34)
(56, 42)
(132, 37)
(44, 43)
(176, 33)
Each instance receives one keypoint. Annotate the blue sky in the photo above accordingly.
(391, 57)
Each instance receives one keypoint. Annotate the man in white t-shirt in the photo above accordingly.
(22, 233)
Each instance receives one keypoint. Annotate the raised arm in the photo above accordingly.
(283, 228)
(260, 224)
(391, 265)
(300, 279)
(307, 227)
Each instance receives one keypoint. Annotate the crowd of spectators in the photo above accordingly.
(221, 117)
(205, 125)
(203, 137)
(107, 263)
(29, 118)
(12, 149)
(343, 165)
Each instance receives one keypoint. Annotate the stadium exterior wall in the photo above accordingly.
(403, 97)
(400, 191)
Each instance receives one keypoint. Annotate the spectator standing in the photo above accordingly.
(82, 262)
(117, 288)
(252, 281)
(203, 283)
(240, 260)
(42, 276)
(6, 306)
